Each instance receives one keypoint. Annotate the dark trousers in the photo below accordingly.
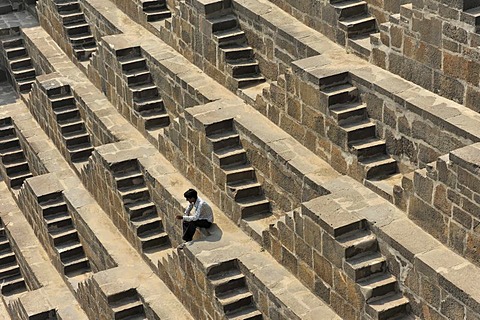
(189, 228)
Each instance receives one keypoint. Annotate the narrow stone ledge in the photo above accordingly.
(467, 157)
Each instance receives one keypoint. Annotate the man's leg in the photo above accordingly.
(203, 224)
(188, 230)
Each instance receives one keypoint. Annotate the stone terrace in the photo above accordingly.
(340, 190)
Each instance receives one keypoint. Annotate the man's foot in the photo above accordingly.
(181, 245)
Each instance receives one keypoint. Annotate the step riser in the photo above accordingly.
(142, 213)
(383, 290)
(240, 176)
(233, 159)
(366, 246)
(137, 181)
(155, 105)
(382, 170)
(53, 210)
(155, 123)
(17, 169)
(24, 87)
(234, 284)
(9, 273)
(73, 19)
(351, 116)
(158, 16)
(85, 40)
(145, 93)
(343, 97)
(226, 143)
(370, 151)
(8, 132)
(10, 144)
(66, 238)
(80, 155)
(7, 260)
(21, 52)
(77, 141)
(74, 268)
(134, 65)
(52, 227)
(387, 314)
(20, 64)
(360, 134)
(134, 197)
(154, 5)
(137, 310)
(249, 82)
(233, 39)
(17, 182)
(16, 43)
(139, 79)
(239, 71)
(245, 193)
(157, 242)
(353, 11)
(69, 115)
(67, 101)
(78, 127)
(225, 25)
(149, 227)
(244, 54)
(14, 287)
(78, 30)
(255, 209)
(76, 252)
(68, 8)
(13, 157)
(232, 307)
(363, 272)
(361, 28)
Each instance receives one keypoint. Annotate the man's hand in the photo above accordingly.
(179, 217)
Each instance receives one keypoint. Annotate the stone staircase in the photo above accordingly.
(353, 130)
(368, 268)
(77, 29)
(13, 158)
(63, 234)
(237, 54)
(72, 127)
(231, 291)
(240, 180)
(19, 64)
(11, 278)
(155, 10)
(146, 97)
(126, 305)
(358, 24)
(137, 202)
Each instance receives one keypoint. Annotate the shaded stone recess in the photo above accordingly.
(435, 45)
(446, 202)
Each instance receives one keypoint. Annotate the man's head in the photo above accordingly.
(191, 195)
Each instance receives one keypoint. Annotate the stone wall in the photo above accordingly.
(445, 201)
(435, 45)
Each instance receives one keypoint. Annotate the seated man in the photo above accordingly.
(202, 217)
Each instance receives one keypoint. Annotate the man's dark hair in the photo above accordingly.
(190, 193)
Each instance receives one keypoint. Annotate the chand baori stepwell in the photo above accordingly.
(338, 142)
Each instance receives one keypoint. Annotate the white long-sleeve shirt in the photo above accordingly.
(202, 211)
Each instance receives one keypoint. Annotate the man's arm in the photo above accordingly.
(198, 209)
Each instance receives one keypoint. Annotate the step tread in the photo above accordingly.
(388, 301)
(366, 143)
(378, 160)
(357, 20)
(366, 259)
(367, 123)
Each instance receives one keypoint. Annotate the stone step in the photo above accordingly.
(223, 23)
(72, 18)
(13, 285)
(143, 91)
(362, 45)
(360, 130)
(138, 77)
(18, 167)
(24, 73)
(348, 112)
(252, 206)
(233, 300)
(217, 128)
(378, 285)
(76, 138)
(50, 201)
(141, 209)
(83, 52)
(147, 225)
(155, 119)
(154, 15)
(229, 37)
(224, 140)
(349, 9)
(7, 258)
(4, 243)
(15, 53)
(243, 68)
(133, 63)
(124, 167)
(134, 194)
(76, 266)
(149, 104)
(385, 186)
(244, 189)
(246, 313)
(13, 156)
(62, 101)
(72, 126)
(9, 270)
(228, 281)
(80, 152)
(364, 265)
(5, 8)
(357, 242)
(81, 39)
(67, 112)
(218, 270)
(128, 53)
(77, 28)
(68, 7)
(9, 142)
(128, 309)
(129, 180)
(340, 94)
(71, 252)
(236, 174)
(154, 240)
(236, 52)
(368, 148)
(358, 25)
(153, 4)
(250, 80)
(16, 181)
(21, 62)
(24, 85)
(387, 307)
(379, 166)
(7, 131)
(231, 156)
(58, 221)
(64, 235)
(13, 43)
